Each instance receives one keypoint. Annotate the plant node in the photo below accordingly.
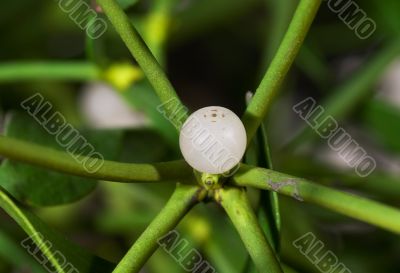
(209, 181)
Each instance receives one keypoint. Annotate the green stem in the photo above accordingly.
(41, 234)
(181, 201)
(379, 184)
(345, 203)
(269, 213)
(143, 56)
(237, 206)
(34, 154)
(273, 79)
(26, 71)
(9, 205)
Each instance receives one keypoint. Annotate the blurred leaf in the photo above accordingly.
(386, 15)
(16, 255)
(162, 262)
(312, 63)
(223, 237)
(222, 262)
(383, 120)
(141, 96)
(127, 3)
(197, 17)
(124, 211)
(37, 186)
(379, 185)
(50, 243)
(64, 100)
(346, 98)
(143, 146)
(296, 222)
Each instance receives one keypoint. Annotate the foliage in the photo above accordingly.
(37, 173)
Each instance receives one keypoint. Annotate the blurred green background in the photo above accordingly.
(214, 53)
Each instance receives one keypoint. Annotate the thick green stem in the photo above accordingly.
(66, 71)
(182, 200)
(237, 206)
(345, 203)
(378, 184)
(111, 171)
(144, 57)
(287, 52)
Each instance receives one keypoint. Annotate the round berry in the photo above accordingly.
(213, 140)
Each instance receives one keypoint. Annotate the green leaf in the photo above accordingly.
(51, 244)
(39, 187)
(383, 120)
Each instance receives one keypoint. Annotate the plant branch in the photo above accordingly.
(237, 206)
(181, 201)
(142, 54)
(345, 203)
(41, 234)
(34, 154)
(273, 79)
(26, 71)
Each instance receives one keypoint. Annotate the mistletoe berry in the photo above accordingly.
(213, 140)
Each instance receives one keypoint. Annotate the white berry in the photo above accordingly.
(213, 140)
